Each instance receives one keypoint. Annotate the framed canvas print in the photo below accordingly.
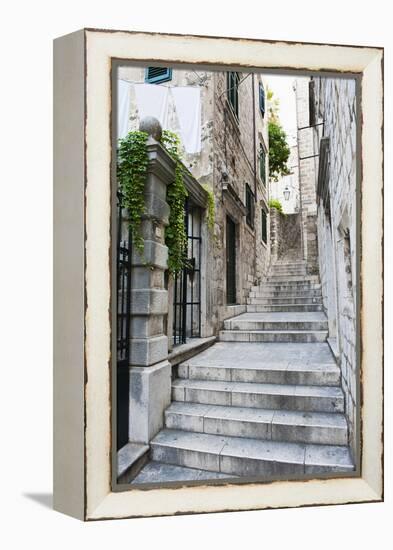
(218, 274)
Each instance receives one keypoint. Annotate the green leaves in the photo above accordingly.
(132, 162)
(278, 151)
(175, 233)
(275, 203)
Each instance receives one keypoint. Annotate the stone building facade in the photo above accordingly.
(233, 164)
(332, 105)
(307, 174)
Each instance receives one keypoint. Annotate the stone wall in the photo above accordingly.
(337, 235)
(285, 236)
(307, 175)
(229, 149)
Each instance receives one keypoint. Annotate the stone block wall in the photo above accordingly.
(337, 230)
(235, 151)
(307, 175)
(285, 236)
(228, 146)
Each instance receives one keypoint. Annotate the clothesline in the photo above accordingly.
(153, 100)
(161, 85)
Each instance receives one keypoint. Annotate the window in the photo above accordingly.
(311, 102)
(262, 164)
(264, 226)
(233, 91)
(155, 75)
(249, 206)
(262, 99)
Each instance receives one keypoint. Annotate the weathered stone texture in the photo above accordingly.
(307, 176)
(228, 146)
(336, 105)
(286, 239)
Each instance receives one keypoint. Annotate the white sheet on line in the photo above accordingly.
(152, 100)
(123, 108)
(188, 108)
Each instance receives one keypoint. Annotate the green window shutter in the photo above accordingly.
(264, 226)
(250, 208)
(262, 99)
(262, 164)
(155, 75)
(233, 91)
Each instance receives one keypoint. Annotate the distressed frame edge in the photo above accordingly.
(373, 489)
(69, 488)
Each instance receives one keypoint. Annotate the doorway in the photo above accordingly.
(231, 260)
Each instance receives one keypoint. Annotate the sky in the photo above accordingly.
(282, 86)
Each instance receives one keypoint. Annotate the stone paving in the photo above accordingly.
(264, 401)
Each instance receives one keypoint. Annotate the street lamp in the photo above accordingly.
(287, 193)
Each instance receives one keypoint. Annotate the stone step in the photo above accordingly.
(283, 307)
(294, 262)
(247, 457)
(264, 396)
(325, 374)
(273, 335)
(286, 299)
(286, 287)
(292, 278)
(275, 425)
(287, 271)
(255, 325)
(293, 293)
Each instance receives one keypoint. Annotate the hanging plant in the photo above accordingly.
(275, 203)
(175, 232)
(132, 166)
(132, 162)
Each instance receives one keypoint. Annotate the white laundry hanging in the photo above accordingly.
(123, 108)
(188, 108)
(152, 100)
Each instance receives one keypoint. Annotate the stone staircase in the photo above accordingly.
(266, 399)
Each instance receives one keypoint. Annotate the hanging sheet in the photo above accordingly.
(188, 108)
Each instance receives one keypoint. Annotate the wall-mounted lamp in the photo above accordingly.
(287, 193)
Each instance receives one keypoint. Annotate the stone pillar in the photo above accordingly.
(150, 371)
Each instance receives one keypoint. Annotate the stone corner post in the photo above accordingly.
(150, 371)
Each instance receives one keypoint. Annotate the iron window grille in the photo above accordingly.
(262, 106)
(187, 283)
(262, 164)
(233, 91)
(264, 226)
(250, 212)
(123, 291)
(156, 75)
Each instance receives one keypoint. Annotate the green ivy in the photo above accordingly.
(211, 209)
(275, 203)
(132, 162)
(131, 173)
(175, 232)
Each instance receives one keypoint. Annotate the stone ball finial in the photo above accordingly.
(151, 126)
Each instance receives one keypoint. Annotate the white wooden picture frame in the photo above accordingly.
(83, 484)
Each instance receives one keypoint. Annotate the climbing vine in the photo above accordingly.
(211, 209)
(132, 161)
(131, 172)
(175, 232)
